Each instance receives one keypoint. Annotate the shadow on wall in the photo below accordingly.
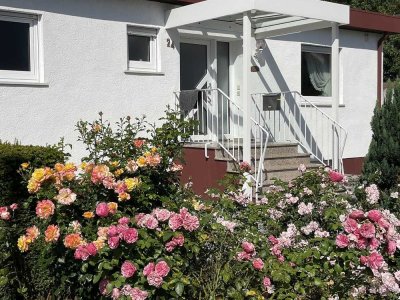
(128, 11)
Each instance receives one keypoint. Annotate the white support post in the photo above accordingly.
(335, 91)
(247, 32)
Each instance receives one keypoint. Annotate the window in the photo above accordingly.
(142, 49)
(316, 71)
(19, 47)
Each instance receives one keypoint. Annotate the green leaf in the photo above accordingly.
(179, 288)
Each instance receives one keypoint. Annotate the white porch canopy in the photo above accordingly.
(262, 19)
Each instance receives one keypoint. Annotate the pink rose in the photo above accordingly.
(81, 253)
(391, 247)
(124, 221)
(374, 244)
(335, 176)
(102, 210)
(4, 213)
(258, 264)
(151, 222)
(115, 294)
(374, 215)
(375, 261)
(176, 241)
(138, 294)
(350, 225)
(342, 241)
(243, 256)
(367, 230)
(139, 217)
(148, 269)
(364, 260)
(191, 223)
(14, 206)
(128, 269)
(113, 230)
(383, 223)
(91, 248)
(248, 247)
(357, 215)
(155, 280)
(362, 243)
(113, 242)
(130, 235)
(267, 282)
(162, 215)
(273, 240)
(162, 269)
(175, 222)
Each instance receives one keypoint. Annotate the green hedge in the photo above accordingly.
(19, 275)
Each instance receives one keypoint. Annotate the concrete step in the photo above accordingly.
(273, 150)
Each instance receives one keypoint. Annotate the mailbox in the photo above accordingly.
(272, 102)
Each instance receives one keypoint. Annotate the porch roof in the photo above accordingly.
(269, 17)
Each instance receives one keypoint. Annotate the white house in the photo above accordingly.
(251, 72)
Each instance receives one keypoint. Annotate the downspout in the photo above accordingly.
(381, 43)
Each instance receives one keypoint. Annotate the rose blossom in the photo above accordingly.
(191, 223)
(391, 247)
(148, 269)
(258, 264)
(162, 269)
(335, 176)
(113, 242)
(102, 210)
(374, 261)
(357, 215)
(128, 269)
(243, 256)
(342, 241)
(130, 235)
(248, 247)
(124, 221)
(138, 294)
(155, 280)
(374, 215)
(162, 215)
(91, 248)
(175, 222)
(266, 282)
(65, 196)
(367, 230)
(45, 209)
(305, 209)
(81, 253)
(14, 206)
(115, 294)
(350, 225)
(52, 233)
(175, 242)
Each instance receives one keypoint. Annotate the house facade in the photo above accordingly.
(63, 61)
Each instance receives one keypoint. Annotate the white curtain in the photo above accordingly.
(318, 65)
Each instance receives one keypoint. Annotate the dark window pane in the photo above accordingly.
(14, 46)
(139, 47)
(193, 65)
(316, 74)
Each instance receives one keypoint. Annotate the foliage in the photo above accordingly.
(15, 271)
(122, 227)
(382, 164)
(392, 44)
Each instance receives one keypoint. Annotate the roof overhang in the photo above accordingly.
(269, 17)
(373, 22)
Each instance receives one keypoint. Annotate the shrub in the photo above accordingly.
(120, 226)
(382, 164)
(16, 271)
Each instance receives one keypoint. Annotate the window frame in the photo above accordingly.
(152, 33)
(34, 74)
(315, 49)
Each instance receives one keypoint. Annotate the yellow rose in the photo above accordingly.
(154, 150)
(33, 186)
(251, 293)
(38, 174)
(88, 215)
(23, 243)
(115, 163)
(69, 167)
(141, 161)
(99, 244)
(58, 167)
(119, 172)
(25, 165)
(83, 165)
(123, 196)
(112, 206)
(132, 183)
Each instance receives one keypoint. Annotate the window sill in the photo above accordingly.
(23, 83)
(143, 72)
(321, 104)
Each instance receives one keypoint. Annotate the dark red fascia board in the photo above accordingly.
(373, 22)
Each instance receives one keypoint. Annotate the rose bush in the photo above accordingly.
(122, 227)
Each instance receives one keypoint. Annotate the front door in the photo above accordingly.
(195, 80)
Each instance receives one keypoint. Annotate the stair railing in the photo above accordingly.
(296, 119)
(220, 121)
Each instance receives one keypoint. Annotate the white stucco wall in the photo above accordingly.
(281, 71)
(85, 56)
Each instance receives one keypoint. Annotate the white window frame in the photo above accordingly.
(144, 66)
(32, 76)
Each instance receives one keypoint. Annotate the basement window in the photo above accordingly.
(19, 50)
(142, 49)
(316, 71)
